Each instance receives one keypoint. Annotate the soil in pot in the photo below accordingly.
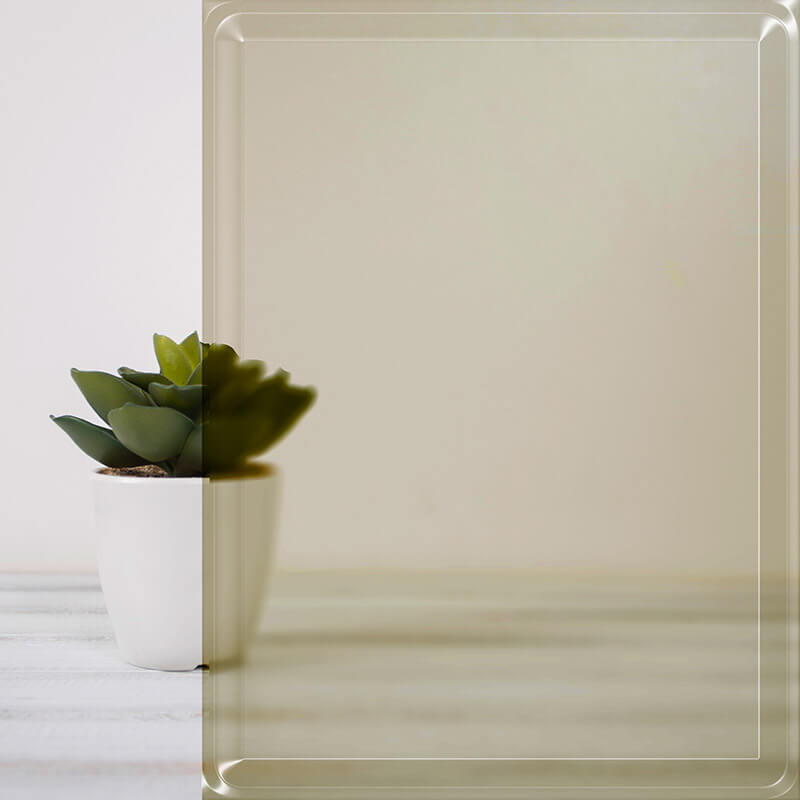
(146, 471)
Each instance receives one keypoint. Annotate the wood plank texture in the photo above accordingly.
(499, 665)
(75, 720)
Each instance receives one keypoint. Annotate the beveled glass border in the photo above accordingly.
(772, 27)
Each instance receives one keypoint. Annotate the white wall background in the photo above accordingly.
(501, 266)
(100, 202)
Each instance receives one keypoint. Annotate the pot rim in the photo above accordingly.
(97, 475)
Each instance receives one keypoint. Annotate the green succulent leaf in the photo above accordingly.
(220, 366)
(218, 363)
(206, 412)
(186, 399)
(191, 346)
(105, 392)
(239, 384)
(224, 443)
(275, 407)
(190, 460)
(231, 435)
(141, 379)
(172, 360)
(196, 378)
(155, 433)
(98, 443)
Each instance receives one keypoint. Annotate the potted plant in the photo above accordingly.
(168, 435)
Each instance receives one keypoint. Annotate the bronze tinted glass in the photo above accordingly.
(538, 536)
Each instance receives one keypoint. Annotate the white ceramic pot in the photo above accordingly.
(150, 557)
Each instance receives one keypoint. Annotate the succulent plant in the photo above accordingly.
(204, 412)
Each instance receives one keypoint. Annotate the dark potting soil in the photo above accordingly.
(146, 471)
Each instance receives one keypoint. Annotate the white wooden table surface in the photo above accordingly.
(75, 720)
(366, 666)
